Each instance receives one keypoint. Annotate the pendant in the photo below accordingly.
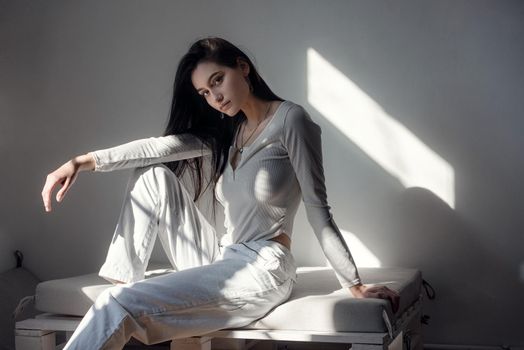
(241, 149)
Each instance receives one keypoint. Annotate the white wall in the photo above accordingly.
(81, 75)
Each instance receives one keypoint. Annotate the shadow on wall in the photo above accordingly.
(423, 229)
(448, 252)
(424, 232)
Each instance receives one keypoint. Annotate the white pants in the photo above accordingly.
(213, 288)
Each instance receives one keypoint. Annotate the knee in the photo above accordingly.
(115, 300)
(134, 298)
(155, 176)
(159, 183)
(119, 293)
(107, 298)
(153, 171)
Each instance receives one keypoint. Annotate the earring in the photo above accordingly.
(221, 115)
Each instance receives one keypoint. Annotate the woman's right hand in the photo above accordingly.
(66, 176)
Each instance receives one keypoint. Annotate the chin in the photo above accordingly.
(230, 112)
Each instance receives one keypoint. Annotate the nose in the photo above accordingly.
(219, 97)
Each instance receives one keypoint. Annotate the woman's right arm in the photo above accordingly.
(66, 176)
(133, 154)
(149, 151)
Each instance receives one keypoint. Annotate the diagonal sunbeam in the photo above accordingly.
(390, 144)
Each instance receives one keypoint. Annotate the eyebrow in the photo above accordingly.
(209, 80)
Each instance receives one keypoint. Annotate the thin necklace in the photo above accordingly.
(241, 149)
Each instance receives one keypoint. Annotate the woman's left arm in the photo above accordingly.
(302, 138)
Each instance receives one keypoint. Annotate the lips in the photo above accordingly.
(225, 106)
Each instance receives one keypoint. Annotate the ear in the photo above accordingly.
(243, 65)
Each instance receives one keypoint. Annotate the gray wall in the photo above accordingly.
(82, 75)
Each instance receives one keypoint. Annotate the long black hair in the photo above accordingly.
(190, 113)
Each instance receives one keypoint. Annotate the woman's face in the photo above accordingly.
(225, 89)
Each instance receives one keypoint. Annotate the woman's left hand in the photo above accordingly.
(379, 292)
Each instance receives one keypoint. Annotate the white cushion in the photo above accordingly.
(319, 304)
(316, 304)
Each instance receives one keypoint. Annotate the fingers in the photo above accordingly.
(395, 302)
(393, 297)
(64, 175)
(51, 182)
(383, 292)
(49, 186)
(65, 187)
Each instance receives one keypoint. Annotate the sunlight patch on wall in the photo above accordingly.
(361, 254)
(390, 144)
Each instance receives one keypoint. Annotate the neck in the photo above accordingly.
(256, 111)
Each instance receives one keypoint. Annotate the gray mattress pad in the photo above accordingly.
(317, 302)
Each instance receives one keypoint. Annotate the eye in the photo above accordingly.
(217, 80)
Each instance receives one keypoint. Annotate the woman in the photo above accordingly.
(261, 159)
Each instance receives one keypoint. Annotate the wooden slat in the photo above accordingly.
(44, 323)
(306, 336)
(52, 324)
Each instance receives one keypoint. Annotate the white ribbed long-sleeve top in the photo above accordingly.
(262, 194)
